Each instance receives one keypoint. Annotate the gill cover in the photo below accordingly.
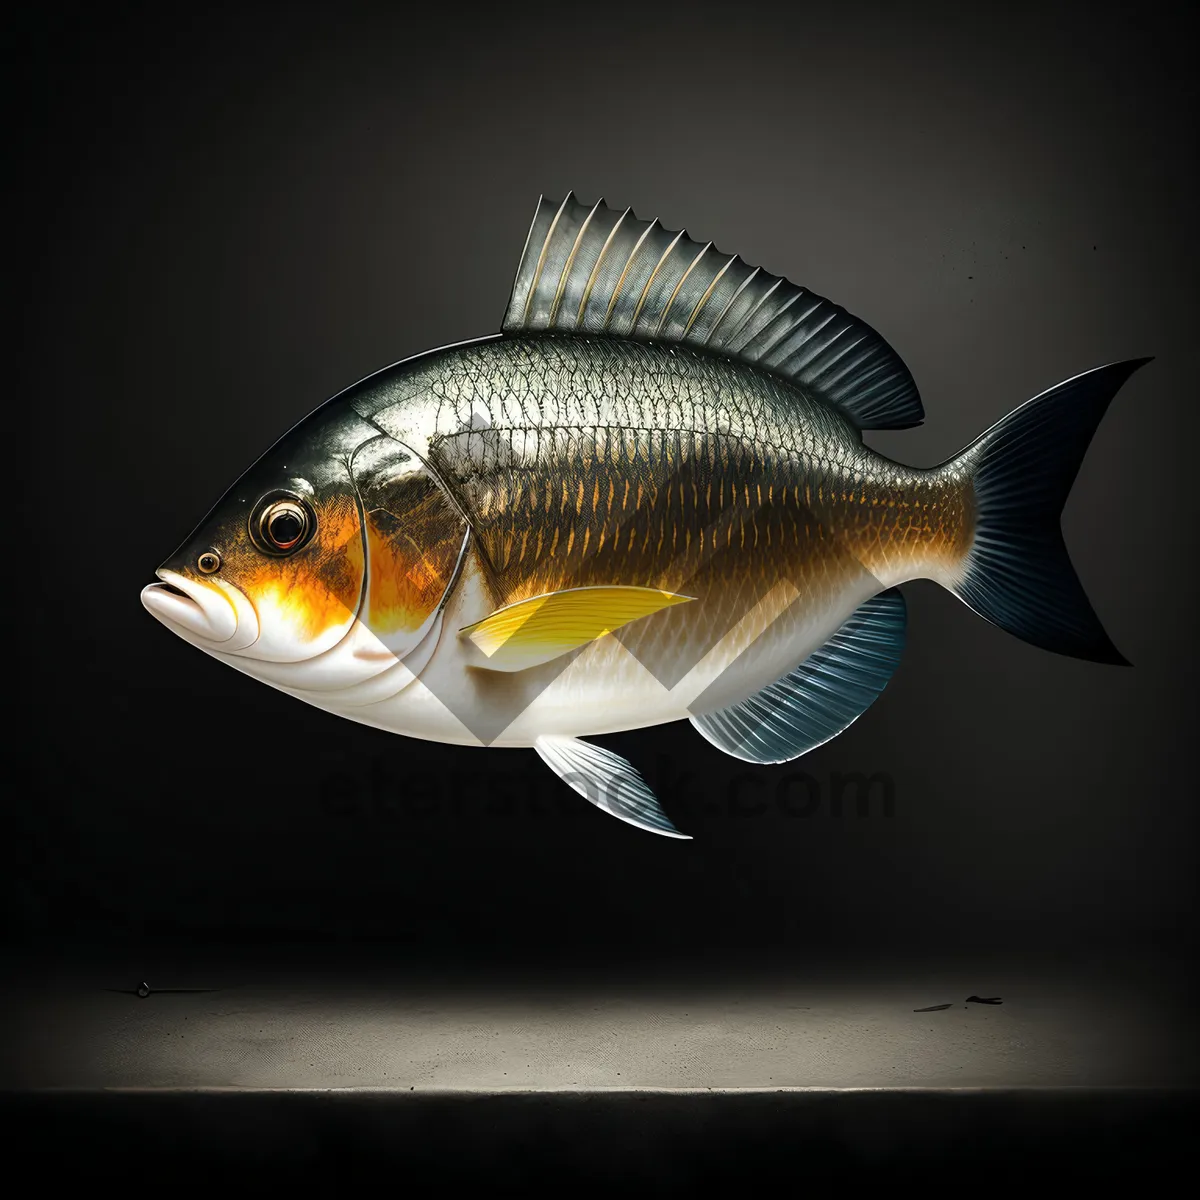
(414, 541)
(412, 545)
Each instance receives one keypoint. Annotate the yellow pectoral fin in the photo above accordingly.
(532, 632)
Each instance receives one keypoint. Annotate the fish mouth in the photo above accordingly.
(211, 614)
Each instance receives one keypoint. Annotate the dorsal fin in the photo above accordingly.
(600, 271)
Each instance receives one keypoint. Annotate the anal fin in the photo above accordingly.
(821, 697)
(606, 780)
(535, 631)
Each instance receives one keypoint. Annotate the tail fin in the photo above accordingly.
(1017, 573)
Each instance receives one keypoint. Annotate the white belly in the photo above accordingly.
(601, 689)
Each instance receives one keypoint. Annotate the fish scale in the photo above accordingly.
(662, 416)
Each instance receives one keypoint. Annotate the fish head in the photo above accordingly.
(275, 570)
(326, 563)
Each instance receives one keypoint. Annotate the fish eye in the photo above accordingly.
(208, 563)
(282, 523)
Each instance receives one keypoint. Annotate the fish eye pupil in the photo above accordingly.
(208, 562)
(285, 527)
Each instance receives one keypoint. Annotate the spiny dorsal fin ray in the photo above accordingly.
(591, 269)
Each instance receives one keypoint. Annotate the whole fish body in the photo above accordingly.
(647, 499)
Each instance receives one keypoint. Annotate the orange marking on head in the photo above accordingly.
(397, 584)
(318, 588)
(407, 580)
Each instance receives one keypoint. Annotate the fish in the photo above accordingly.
(646, 499)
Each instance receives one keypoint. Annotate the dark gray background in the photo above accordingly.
(225, 218)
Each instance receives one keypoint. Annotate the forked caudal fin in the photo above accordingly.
(1017, 573)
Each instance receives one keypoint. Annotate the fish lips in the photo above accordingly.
(213, 614)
